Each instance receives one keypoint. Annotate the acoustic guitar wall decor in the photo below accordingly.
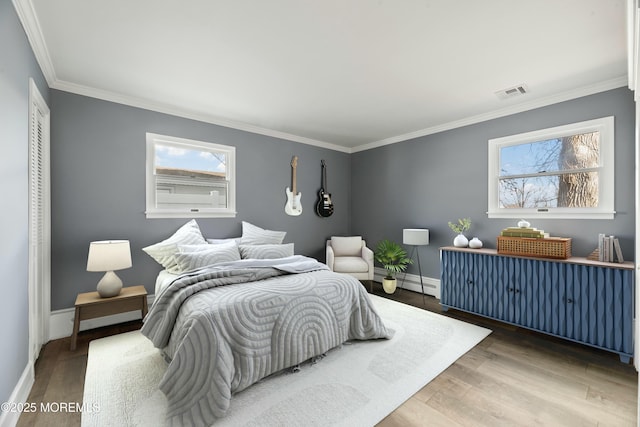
(293, 206)
(324, 207)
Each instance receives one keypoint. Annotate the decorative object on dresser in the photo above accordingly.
(293, 206)
(90, 305)
(394, 260)
(530, 232)
(108, 256)
(415, 237)
(525, 240)
(543, 247)
(463, 224)
(475, 243)
(585, 301)
(608, 250)
(324, 207)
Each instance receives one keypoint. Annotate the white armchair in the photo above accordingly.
(350, 255)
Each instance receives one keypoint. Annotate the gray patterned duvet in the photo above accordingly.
(226, 327)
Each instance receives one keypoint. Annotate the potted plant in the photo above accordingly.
(463, 224)
(394, 260)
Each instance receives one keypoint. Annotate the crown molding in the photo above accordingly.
(615, 83)
(31, 25)
(188, 114)
(519, 108)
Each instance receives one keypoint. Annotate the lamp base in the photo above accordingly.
(110, 285)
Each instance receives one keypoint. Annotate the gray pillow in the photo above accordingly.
(253, 235)
(266, 251)
(191, 257)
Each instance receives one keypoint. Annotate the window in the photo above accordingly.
(187, 179)
(561, 172)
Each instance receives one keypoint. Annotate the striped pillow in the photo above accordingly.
(164, 252)
(253, 235)
(266, 251)
(195, 256)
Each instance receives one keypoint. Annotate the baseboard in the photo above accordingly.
(61, 321)
(19, 396)
(412, 282)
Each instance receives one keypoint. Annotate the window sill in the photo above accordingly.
(530, 214)
(189, 214)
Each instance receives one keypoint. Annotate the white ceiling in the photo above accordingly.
(344, 74)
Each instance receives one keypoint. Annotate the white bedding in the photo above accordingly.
(163, 280)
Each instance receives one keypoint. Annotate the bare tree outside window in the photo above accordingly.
(579, 152)
(561, 172)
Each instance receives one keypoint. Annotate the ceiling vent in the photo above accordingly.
(512, 92)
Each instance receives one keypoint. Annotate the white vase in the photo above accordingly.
(523, 223)
(389, 285)
(475, 243)
(460, 241)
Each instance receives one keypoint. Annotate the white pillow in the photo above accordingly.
(253, 235)
(205, 247)
(230, 239)
(346, 246)
(164, 252)
(195, 256)
(266, 251)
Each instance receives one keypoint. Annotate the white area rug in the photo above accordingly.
(355, 385)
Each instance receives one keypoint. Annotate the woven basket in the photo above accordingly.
(550, 247)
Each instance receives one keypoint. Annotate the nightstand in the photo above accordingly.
(90, 305)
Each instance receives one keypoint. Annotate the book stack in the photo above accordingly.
(609, 249)
(524, 232)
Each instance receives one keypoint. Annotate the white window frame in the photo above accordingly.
(153, 211)
(606, 177)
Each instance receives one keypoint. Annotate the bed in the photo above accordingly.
(226, 325)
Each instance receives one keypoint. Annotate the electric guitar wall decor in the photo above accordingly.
(293, 206)
(324, 207)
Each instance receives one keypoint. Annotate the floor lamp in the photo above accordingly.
(415, 237)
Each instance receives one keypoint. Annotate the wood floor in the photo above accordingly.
(514, 377)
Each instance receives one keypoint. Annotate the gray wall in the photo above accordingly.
(17, 64)
(98, 185)
(98, 188)
(431, 180)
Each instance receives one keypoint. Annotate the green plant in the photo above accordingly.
(461, 226)
(392, 257)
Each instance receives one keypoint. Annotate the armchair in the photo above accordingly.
(350, 255)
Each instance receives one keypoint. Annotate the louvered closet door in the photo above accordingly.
(39, 264)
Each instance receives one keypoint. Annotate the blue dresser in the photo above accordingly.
(585, 301)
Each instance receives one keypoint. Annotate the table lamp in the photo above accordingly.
(109, 255)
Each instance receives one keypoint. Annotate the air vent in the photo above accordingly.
(512, 92)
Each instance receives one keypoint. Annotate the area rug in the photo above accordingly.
(357, 384)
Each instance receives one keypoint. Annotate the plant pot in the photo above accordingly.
(389, 285)
(460, 241)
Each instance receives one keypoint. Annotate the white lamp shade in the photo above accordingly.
(415, 236)
(109, 255)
